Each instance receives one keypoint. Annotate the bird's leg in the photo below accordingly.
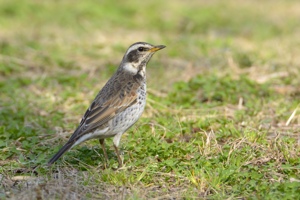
(119, 157)
(104, 151)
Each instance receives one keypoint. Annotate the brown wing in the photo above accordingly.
(99, 114)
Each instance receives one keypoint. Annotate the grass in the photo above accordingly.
(222, 116)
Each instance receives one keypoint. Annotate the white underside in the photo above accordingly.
(96, 134)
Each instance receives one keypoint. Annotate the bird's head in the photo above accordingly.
(138, 55)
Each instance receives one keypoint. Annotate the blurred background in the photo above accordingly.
(230, 73)
(43, 38)
(68, 49)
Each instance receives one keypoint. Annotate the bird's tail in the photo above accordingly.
(65, 148)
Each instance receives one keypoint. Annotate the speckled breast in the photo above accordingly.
(129, 116)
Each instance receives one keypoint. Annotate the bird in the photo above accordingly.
(118, 105)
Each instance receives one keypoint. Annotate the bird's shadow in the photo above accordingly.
(92, 156)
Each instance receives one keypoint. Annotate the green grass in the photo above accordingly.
(220, 96)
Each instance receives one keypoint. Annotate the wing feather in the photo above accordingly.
(100, 114)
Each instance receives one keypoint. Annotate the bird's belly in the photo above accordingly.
(128, 117)
(98, 133)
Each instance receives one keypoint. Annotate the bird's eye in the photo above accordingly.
(141, 49)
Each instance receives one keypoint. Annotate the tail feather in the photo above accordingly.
(65, 148)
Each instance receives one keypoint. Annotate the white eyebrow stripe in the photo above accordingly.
(136, 46)
(131, 48)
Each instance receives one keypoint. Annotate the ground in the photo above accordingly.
(222, 115)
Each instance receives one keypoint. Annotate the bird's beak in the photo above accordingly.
(156, 48)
